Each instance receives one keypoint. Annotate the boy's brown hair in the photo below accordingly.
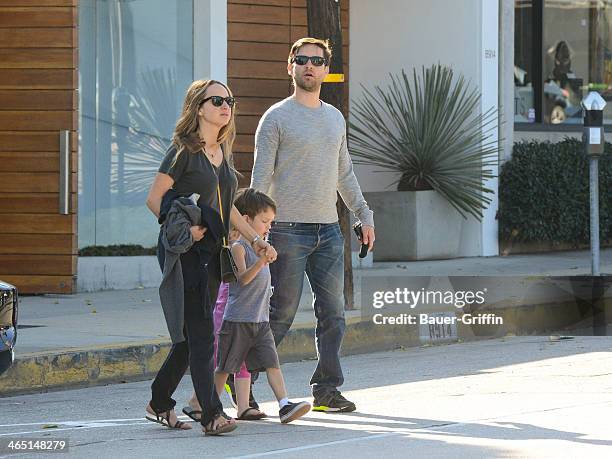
(323, 44)
(252, 202)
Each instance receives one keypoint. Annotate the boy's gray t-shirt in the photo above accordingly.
(251, 302)
(301, 161)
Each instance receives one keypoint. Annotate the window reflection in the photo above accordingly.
(136, 61)
(524, 111)
(575, 55)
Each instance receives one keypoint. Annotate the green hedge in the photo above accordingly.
(123, 250)
(544, 193)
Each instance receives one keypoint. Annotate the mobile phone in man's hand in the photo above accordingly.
(359, 232)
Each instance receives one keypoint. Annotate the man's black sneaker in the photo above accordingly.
(333, 402)
(292, 411)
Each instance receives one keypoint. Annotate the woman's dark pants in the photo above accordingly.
(196, 352)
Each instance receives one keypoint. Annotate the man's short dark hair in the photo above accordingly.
(323, 44)
(252, 202)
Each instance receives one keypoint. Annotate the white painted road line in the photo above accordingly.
(320, 445)
(71, 428)
(89, 421)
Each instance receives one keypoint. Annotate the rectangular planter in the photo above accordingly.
(414, 225)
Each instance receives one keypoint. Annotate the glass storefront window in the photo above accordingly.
(572, 47)
(566, 60)
(135, 63)
(524, 108)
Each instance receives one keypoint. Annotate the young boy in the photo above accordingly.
(245, 334)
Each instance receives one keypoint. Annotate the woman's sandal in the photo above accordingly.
(196, 415)
(219, 429)
(165, 420)
(251, 414)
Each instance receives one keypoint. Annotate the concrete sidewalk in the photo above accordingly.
(93, 338)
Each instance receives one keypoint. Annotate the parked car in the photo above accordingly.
(8, 324)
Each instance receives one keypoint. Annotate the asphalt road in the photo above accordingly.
(524, 397)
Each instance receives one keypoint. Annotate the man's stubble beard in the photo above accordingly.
(299, 82)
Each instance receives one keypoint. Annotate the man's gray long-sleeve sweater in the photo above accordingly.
(301, 160)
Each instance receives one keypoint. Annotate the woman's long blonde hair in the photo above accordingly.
(188, 124)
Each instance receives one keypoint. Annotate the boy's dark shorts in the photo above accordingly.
(249, 342)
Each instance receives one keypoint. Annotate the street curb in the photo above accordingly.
(83, 367)
(71, 368)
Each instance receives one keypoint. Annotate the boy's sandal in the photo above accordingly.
(251, 414)
(219, 429)
(196, 415)
(165, 420)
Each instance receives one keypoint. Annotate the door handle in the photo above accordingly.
(64, 173)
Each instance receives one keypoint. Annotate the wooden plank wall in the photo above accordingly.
(260, 34)
(38, 99)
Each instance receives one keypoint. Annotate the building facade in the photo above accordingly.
(90, 91)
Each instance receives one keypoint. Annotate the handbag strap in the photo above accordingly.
(221, 212)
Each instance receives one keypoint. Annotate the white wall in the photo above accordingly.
(210, 40)
(506, 77)
(389, 35)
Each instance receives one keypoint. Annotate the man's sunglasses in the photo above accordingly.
(317, 61)
(217, 101)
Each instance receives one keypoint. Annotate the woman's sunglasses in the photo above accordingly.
(217, 101)
(317, 61)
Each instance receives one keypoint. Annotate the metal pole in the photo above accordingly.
(594, 194)
(594, 146)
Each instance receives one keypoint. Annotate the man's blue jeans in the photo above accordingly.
(318, 250)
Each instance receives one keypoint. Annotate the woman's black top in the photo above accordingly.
(192, 172)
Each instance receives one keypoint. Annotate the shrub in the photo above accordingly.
(544, 193)
(122, 250)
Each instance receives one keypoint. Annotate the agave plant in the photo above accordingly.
(430, 131)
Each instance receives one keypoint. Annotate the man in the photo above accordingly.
(301, 161)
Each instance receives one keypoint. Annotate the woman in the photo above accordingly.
(199, 158)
